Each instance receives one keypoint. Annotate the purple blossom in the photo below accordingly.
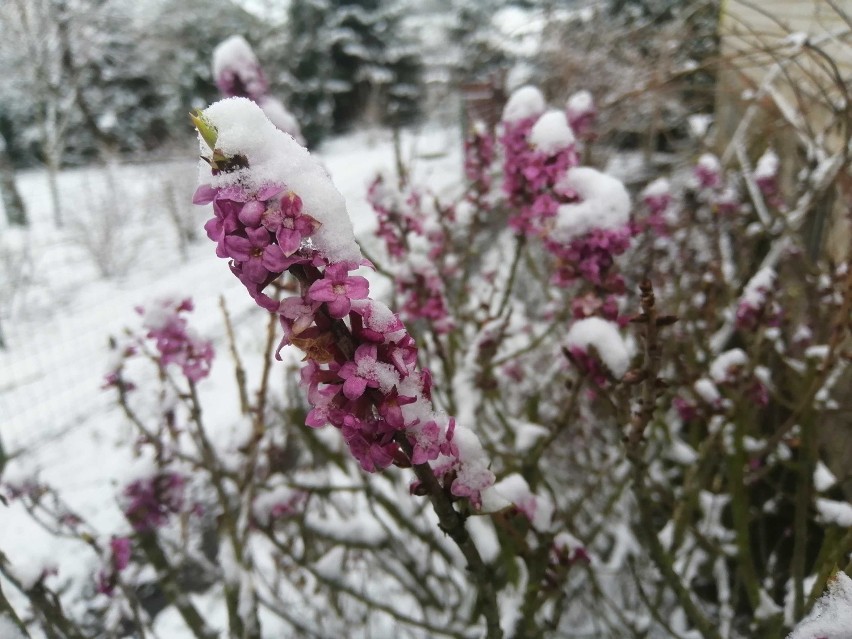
(150, 501)
(256, 255)
(337, 289)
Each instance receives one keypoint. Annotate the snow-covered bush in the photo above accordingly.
(577, 413)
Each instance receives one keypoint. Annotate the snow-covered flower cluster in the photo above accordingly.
(237, 73)
(276, 210)
(581, 214)
(176, 343)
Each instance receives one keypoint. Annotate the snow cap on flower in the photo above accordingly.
(607, 341)
(579, 104)
(767, 166)
(526, 102)
(267, 156)
(236, 69)
(551, 133)
(604, 204)
(708, 171)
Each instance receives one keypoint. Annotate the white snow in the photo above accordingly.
(831, 617)
(8, 628)
(235, 55)
(579, 104)
(758, 286)
(823, 477)
(656, 188)
(607, 341)
(767, 165)
(276, 158)
(604, 204)
(484, 536)
(551, 133)
(278, 114)
(710, 163)
(725, 366)
(707, 390)
(830, 511)
(526, 102)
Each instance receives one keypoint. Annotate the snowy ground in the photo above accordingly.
(57, 313)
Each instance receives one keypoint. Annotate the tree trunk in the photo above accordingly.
(16, 212)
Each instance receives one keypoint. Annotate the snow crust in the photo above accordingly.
(551, 133)
(604, 336)
(275, 158)
(604, 203)
(526, 102)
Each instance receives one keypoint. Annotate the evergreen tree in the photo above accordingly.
(351, 60)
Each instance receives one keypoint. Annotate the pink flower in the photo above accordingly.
(152, 500)
(256, 255)
(337, 289)
(359, 375)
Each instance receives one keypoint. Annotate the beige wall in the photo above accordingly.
(758, 41)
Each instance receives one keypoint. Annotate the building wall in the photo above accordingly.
(805, 47)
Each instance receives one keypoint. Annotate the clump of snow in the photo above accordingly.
(527, 434)
(657, 188)
(831, 617)
(830, 511)
(726, 364)
(607, 341)
(767, 607)
(758, 286)
(484, 537)
(579, 104)
(526, 102)
(537, 508)
(823, 477)
(604, 203)
(551, 133)
(707, 391)
(273, 157)
(767, 165)
(699, 124)
(709, 163)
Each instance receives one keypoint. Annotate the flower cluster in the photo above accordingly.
(581, 215)
(712, 186)
(755, 306)
(360, 372)
(582, 114)
(416, 241)
(238, 73)
(175, 342)
(120, 549)
(479, 155)
(150, 501)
